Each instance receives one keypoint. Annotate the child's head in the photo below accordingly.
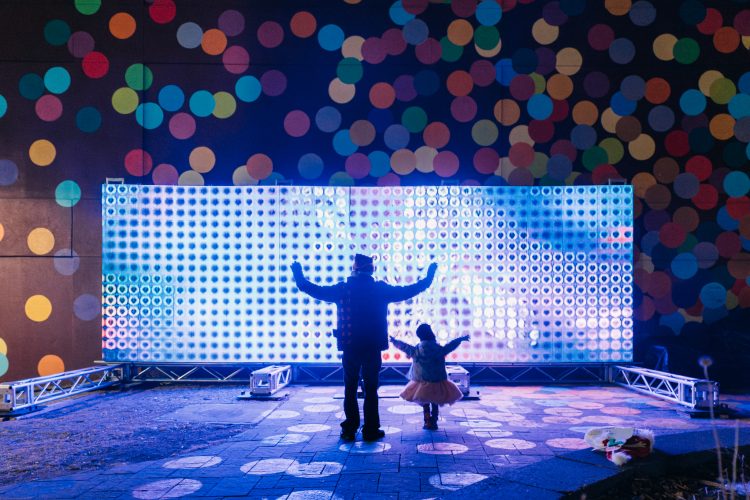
(424, 332)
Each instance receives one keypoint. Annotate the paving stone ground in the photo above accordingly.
(290, 449)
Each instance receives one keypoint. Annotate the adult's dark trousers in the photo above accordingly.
(366, 362)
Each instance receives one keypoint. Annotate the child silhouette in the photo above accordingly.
(428, 381)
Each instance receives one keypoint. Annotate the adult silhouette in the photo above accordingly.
(361, 334)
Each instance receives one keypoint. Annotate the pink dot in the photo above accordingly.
(521, 154)
(445, 163)
(236, 59)
(358, 165)
(564, 147)
(486, 161)
(165, 174)
(429, 51)
(270, 34)
(560, 110)
(80, 43)
(259, 166)
(49, 108)
(273, 83)
(182, 126)
(601, 37)
(231, 22)
(296, 123)
(742, 22)
(522, 87)
(436, 135)
(483, 73)
(415, 7)
(374, 50)
(393, 41)
(728, 243)
(521, 177)
(389, 179)
(463, 109)
(464, 8)
(138, 162)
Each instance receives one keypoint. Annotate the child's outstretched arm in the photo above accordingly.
(453, 344)
(403, 346)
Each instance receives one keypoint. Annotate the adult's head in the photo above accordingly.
(424, 332)
(363, 264)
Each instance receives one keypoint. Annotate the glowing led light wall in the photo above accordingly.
(201, 274)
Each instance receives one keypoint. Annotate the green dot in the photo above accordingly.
(722, 91)
(688, 244)
(451, 52)
(125, 100)
(349, 70)
(67, 194)
(540, 84)
(538, 167)
(226, 105)
(139, 77)
(593, 157)
(614, 148)
(686, 51)
(56, 32)
(88, 7)
(414, 119)
(486, 37)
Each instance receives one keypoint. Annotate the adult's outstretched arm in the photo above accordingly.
(325, 293)
(398, 293)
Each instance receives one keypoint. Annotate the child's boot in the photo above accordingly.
(434, 417)
(427, 417)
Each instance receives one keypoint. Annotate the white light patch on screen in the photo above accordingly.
(531, 274)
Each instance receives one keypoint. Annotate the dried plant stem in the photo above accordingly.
(717, 441)
(733, 487)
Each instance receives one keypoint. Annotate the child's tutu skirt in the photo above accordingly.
(440, 393)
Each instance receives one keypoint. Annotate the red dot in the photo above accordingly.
(138, 162)
(738, 207)
(677, 143)
(162, 11)
(661, 284)
(445, 163)
(382, 95)
(600, 37)
(429, 51)
(521, 154)
(646, 310)
(712, 22)
(95, 64)
(560, 110)
(564, 147)
(742, 22)
(464, 8)
(706, 198)
(486, 161)
(259, 166)
(482, 72)
(728, 243)
(436, 135)
(700, 166)
(672, 235)
(541, 131)
(602, 173)
(459, 83)
(415, 7)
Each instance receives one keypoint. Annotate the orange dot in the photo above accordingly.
(122, 25)
(50, 365)
(460, 32)
(403, 161)
(726, 40)
(642, 182)
(585, 113)
(618, 7)
(722, 126)
(559, 87)
(657, 90)
(303, 24)
(382, 95)
(214, 42)
(460, 83)
(507, 111)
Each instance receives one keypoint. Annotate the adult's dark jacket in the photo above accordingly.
(362, 304)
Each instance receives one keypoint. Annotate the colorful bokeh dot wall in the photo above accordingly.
(376, 94)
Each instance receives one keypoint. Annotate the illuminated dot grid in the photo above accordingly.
(530, 274)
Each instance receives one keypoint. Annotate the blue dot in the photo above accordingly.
(739, 106)
(88, 119)
(57, 80)
(661, 118)
(713, 295)
(310, 166)
(633, 87)
(415, 32)
(171, 98)
(539, 106)
(398, 13)
(489, 12)
(684, 265)
(692, 102)
(247, 88)
(426, 82)
(674, 321)
(726, 221)
(396, 136)
(583, 137)
(67, 193)
(642, 13)
(622, 51)
(380, 163)
(3, 106)
(31, 86)
(343, 144)
(202, 103)
(621, 105)
(328, 119)
(573, 7)
(736, 184)
(8, 172)
(189, 35)
(149, 115)
(3, 364)
(504, 72)
(744, 83)
(330, 37)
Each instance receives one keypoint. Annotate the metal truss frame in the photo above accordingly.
(24, 395)
(691, 392)
(269, 380)
(196, 372)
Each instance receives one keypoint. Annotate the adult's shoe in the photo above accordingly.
(373, 435)
(347, 436)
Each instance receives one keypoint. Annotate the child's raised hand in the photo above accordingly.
(465, 338)
(393, 339)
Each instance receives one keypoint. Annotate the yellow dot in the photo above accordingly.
(642, 148)
(50, 365)
(42, 152)
(352, 47)
(225, 105)
(38, 308)
(425, 155)
(41, 241)
(569, 61)
(489, 52)
(520, 133)
(707, 79)
(191, 178)
(3, 347)
(202, 159)
(663, 46)
(544, 33)
(609, 120)
(2, 232)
